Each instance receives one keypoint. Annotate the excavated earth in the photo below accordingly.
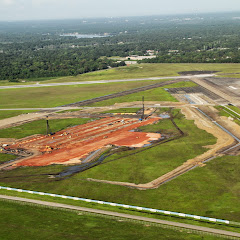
(74, 144)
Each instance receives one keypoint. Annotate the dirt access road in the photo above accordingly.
(21, 119)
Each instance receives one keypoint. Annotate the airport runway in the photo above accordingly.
(103, 81)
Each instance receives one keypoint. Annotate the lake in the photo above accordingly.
(83, 35)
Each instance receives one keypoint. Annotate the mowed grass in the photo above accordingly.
(155, 94)
(39, 127)
(234, 108)
(150, 70)
(57, 96)
(145, 70)
(230, 76)
(228, 113)
(6, 157)
(212, 190)
(20, 221)
(26, 81)
(12, 113)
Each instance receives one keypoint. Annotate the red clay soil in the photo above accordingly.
(75, 143)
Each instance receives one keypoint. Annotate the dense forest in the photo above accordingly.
(34, 49)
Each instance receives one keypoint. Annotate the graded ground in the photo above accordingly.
(35, 222)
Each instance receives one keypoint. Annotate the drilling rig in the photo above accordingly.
(49, 132)
(142, 118)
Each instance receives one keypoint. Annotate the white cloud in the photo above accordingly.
(57, 9)
(43, 2)
(7, 2)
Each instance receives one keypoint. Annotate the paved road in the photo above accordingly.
(104, 81)
(122, 215)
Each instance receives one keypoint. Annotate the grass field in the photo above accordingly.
(12, 113)
(39, 127)
(156, 94)
(211, 191)
(230, 76)
(20, 221)
(6, 157)
(57, 96)
(234, 108)
(26, 81)
(227, 113)
(150, 70)
(141, 71)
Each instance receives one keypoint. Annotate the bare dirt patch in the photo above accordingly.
(76, 143)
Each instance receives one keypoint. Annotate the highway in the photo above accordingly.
(123, 215)
(103, 81)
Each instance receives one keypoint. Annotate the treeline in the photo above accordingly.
(51, 63)
(36, 49)
(208, 56)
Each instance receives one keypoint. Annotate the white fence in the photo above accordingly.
(121, 205)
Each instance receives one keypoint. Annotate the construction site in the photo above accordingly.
(83, 144)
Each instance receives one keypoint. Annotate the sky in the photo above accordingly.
(11, 10)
